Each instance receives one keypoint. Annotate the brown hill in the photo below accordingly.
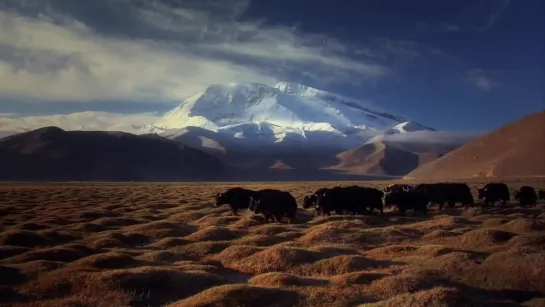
(52, 154)
(389, 158)
(279, 164)
(514, 150)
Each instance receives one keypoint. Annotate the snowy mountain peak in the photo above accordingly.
(286, 111)
(408, 126)
(297, 89)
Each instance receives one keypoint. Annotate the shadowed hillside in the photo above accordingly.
(389, 158)
(51, 153)
(514, 150)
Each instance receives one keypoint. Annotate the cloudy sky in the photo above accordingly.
(115, 64)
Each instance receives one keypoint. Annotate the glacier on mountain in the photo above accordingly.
(286, 113)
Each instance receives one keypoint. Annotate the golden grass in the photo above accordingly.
(167, 245)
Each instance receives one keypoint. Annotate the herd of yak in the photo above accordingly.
(358, 200)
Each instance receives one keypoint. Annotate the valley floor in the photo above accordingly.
(166, 245)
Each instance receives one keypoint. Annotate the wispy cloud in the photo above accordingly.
(451, 28)
(495, 14)
(170, 51)
(480, 79)
(104, 121)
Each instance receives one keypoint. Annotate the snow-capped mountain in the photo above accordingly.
(401, 128)
(252, 114)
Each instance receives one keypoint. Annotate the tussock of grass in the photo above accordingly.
(235, 253)
(436, 297)
(276, 279)
(169, 242)
(162, 285)
(22, 238)
(522, 225)
(275, 258)
(439, 233)
(355, 278)
(260, 240)
(389, 286)
(51, 254)
(36, 267)
(164, 257)
(161, 229)
(480, 238)
(214, 233)
(200, 250)
(241, 295)
(110, 260)
(339, 265)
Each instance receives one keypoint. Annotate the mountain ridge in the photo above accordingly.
(513, 150)
(51, 153)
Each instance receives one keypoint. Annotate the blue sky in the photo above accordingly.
(454, 65)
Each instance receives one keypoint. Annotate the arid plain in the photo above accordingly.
(83, 244)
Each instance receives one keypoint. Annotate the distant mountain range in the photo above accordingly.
(253, 131)
(288, 126)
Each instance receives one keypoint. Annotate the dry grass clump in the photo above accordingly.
(390, 286)
(7, 251)
(270, 230)
(61, 254)
(163, 257)
(214, 233)
(515, 268)
(37, 267)
(324, 233)
(200, 250)
(260, 240)
(356, 278)
(166, 243)
(232, 254)
(117, 244)
(522, 225)
(493, 222)
(536, 240)
(241, 295)
(161, 229)
(340, 265)
(22, 238)
(189, 266)
(277, 279)
(439, 233)
(89, 227)
(161, 285)
(436, 297)
(215, 221)
(248, 221)
(392, 251)
(110, 260)
(276, 258)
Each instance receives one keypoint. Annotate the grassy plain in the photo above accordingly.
(158, 244)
